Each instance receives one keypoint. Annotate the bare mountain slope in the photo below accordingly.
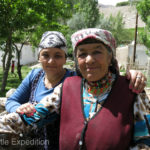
(129, 14)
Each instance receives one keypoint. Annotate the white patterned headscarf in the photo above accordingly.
(53, 39)
(98, 34)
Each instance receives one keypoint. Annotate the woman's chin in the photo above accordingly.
(91, 78)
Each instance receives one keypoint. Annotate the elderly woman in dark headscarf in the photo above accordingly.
(97, 106)
(40, 83)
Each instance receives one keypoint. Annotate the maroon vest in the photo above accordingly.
(110, 129)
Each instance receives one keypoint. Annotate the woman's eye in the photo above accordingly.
(97, 52)
(82, 55)
(45, 55)
(58, 56)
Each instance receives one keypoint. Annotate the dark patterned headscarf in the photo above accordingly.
(53, 39)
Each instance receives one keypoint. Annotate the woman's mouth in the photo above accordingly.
(91, 68)
(51, 67)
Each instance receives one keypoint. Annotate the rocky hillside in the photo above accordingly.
(128, 12)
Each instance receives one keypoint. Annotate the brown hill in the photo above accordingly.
(128, 12)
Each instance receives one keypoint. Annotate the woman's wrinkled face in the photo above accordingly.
(93, 61)
(52, 60)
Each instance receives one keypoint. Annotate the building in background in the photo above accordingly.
(124, 56)
(28, 55)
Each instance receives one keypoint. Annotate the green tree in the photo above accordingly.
(122, 3)
(143, 8)
(23, 17)
(85, 15)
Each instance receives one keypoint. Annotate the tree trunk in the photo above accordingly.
(6, 71)
(19, 71)
(4, 57)
(18, 62)
(19, 67)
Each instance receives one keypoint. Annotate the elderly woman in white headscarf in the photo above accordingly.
(99, 111)
(99, 93)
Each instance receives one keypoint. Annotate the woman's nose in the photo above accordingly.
(50, 60)
(89, 59)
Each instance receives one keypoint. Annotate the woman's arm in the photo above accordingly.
(46, 111)
(22, 93)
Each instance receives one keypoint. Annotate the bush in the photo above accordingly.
(123, 4)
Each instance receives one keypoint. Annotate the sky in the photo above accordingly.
(110, 2)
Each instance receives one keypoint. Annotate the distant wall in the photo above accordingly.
(28, 55)
(124, 55)
(141, 58)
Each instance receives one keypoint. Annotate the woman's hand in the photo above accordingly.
(137, 81)
(26, 108)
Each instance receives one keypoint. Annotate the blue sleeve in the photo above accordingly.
(22, 93)
(141, 131)
(70, 73)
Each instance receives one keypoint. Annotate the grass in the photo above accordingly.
(12, 80)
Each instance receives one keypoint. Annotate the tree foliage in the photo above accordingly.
(86, 15)
(143, 8)
(20, 18)
(126, 3)
(115, 24)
